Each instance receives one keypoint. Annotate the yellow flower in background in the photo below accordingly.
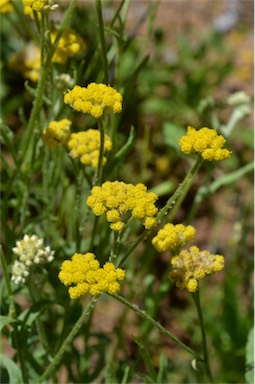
(84, 275)
(205, 142)
(86, 146)
(37, 5)
(70, 43)
(57, 133)
(27, 62)
(6, 6)
(95, 100)
(192, 265)
(117, 198)
(172, 237)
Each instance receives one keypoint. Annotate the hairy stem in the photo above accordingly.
(154, 323)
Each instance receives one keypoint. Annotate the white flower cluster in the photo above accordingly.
(30, 250)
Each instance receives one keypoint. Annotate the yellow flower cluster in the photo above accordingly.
(205, 142)
(27, 62)
(57, 133)
(95, 99)
(84, 275)
(70, 43)
(6, 6)
(192, 265)
(35, 5)
(118, 198)
(86, 146)
(173, 237)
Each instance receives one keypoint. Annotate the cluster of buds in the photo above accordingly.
(30, 251)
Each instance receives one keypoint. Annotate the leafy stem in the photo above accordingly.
(153, 322)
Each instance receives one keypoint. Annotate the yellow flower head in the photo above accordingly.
(70, 43)
(57, 133)
(84, 275)
(6, 6)
(27, 62)
(95, 100)
(86, 146)
(192, 265)
(35, 5)
(118, 198)
(205, 142)
(173, 237)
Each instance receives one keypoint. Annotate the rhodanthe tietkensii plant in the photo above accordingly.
(116, 243)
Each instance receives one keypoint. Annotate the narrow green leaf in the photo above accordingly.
(231, 177)
(4, 320)
(164, 188)
(14, 372)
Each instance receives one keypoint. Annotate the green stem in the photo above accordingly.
(42, 80)
(102, 41)
(115, 247)
(57, 359)
(79, 180)
(13, 315)
(183, 188)
(180, 192)
(99, 171)
(196, 299)
(153, 322)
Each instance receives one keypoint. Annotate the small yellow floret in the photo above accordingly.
(35, 5)
(6, 6)
(84, 275)
(192, 265)
(70, 43)
(117, 199)
(57, 133)
(86, 146)
(96, 99)
(173, 237)
(206, 142)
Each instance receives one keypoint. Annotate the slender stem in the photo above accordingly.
(183, 188)
(115, 247)
(196, 299)
(153, 322)
(102, 41)
(13, 315)
(57, 359)
(42, 80)
(79, 180)
(99, 171)
(117, 14)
